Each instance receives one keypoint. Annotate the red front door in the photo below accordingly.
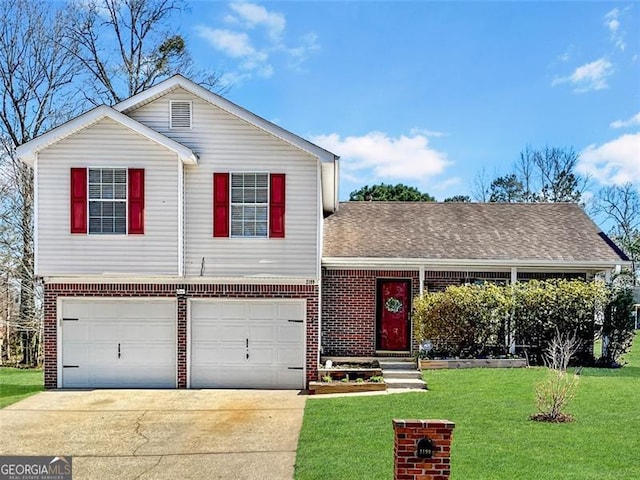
(394, 303)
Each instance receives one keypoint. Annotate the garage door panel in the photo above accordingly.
(219, 352)
(289, 332)
(290, 311)
(144, 330)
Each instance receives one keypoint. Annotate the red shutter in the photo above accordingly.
(220, 204)
(78, 200)
(276, 205)
(136, 201)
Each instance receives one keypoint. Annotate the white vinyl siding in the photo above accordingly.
(225, 143)
(107, 144)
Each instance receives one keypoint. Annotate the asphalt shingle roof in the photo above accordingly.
(481, 231)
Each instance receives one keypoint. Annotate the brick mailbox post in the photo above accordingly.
(422, 449)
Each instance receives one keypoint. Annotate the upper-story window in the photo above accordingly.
(180, 114)
(108, 200)
(249, 204)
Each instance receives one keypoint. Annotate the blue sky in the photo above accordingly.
(429, 93)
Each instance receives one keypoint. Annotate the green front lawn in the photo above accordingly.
(352, 438)
(16, 384)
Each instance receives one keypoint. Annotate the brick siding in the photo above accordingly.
(131, 290)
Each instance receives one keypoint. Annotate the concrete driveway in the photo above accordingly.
(160, 434)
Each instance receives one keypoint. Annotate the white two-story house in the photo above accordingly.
(179, 239)
(185, 242)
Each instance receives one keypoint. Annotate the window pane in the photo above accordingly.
(236, 229)
(262, 180)
(94, 209)
(95, 225)
(236, 179)
(261, 195)
(250, 196)
(249, 230)
(120, 225)
(107, 192)
(121, 192)
(107, 175)
(120, 176)
(107, 225)
(236, 195)
(107, 209)
(120, 209)
(261, 213)
(261, 229)
(94, 191)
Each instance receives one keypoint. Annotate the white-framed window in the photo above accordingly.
(108, 201)
(249, 204)
(180, 114)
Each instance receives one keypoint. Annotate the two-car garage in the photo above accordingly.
(132, 343)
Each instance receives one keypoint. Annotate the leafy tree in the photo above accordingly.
(506, 189)
(458, 198)
(617, 327)
(127, 46)
(389, 193)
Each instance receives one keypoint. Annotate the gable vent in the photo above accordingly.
(180, 116)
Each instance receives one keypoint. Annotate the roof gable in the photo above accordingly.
(178, 81)
(28, 151)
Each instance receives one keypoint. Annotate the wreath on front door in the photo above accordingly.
(393, 305)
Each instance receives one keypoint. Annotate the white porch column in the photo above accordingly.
(511, 334)
(421, 277)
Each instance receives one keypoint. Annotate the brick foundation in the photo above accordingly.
(406, 464)
(131, 290)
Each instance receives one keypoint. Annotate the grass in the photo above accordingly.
(352, 438)
(17, 383)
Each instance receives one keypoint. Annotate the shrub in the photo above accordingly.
(462, 321)
(554, 393)
(566, 306)
(617, 327)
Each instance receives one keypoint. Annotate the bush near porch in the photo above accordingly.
(475, 320)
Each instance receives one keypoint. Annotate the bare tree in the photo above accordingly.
(35, 79)
(480, 189)
(126, 46)
(620, 204)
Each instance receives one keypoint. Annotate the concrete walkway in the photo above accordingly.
(160, 434)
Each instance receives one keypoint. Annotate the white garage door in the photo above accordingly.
(118, 343)
(247, 343)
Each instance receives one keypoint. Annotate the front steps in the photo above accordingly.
(401, 373)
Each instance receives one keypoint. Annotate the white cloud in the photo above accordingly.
(630, 122)
(254, 37)
(232, 43)
(612, 22)
(252, 14)
(590, 76)
(613, 163)
(377, 156)
(426, 133)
